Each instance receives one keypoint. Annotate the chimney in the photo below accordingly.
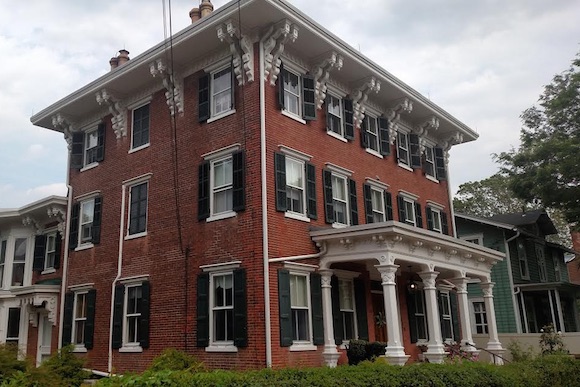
(195, 15)
(114, 62)
(123, 57)
(206, 7)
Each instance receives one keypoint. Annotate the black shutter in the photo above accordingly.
(283, 74)
(414, 151)
(233, 85)
(336, 315)
(364, 134)
(429, 218)
(352, 202)
(328, 202)
(368, 203)
(240, 309)
(360, 299)
(119, 300)
(418, 215)
(97, 215)
(454, 316)
(317, 316)
(39, 253)
(90, 321)
(348, 119)
(144, 321)
(239, 196)
(401, 205)
(308, 100)
(444, 224)
(411, 306)
(385, 142)
(285, 308)
(311, 191)
(203, 194)
(204, 98)
(73, 237)
(280, 167)
(57, 249)
(328, 123)
(69, 299)
(388, 206)
(203, 310)
(77, 150)
(100, 150)
(440, 164)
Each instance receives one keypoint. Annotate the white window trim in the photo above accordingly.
(294, 153)
(78, 347)
(218, 153)
(432, 177)
(225, 214)
(478, 236)
(85, 149)
(82, 245)
(410, 220)
(377, 184)
(342, 135)
(89, 166)
(85, 129)
(401, 164)
(49, 233)
(409, 195)
(219, 67)
(435, 211)
(135, 106)
(376, 152)
(335, 224)
(221, 115)
(135, 182)
(293, 214)
(132, 347)
(293, 116)
(382, 210)
(472, 301)
(339, 170)
(9, 260)
(296, 116)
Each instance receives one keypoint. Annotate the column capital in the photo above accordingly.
(460, 283)
(388, 273)
(487, 288)
(325, 277)
(428, 278)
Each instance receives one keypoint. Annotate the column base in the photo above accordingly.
(496, 349)
(330, 356)
(395, 355)
(435, 353)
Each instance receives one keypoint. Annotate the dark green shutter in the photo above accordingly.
(444, 224)
(353, 202)
(39, 253)
(203, 310)
(238, 185)
(57, 249)
(233, 85)
(77, 150)
(285, 308)
(97, 215)
(73, 237)
(328, 123)
(411, 307)
(388, 206)
(429, 218)
(360, 299)
(385, 142)
(454, 316)
(368, 203)
(90, 321)
(440, 164)
(280, 167)
(144, 321)
(311, 191)
(336, 315)
(317, 316)
(401, 205)
(364, 134)
(240, 309)
(69, 299)
(100, 150)
(308, 99)
(204, 98)
(348, 119)
(203, 193)
(414, 151)
(328, 202)
(418, 215)
(283, 74)
(119, 300)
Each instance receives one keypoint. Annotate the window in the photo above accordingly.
(295, 184)
(13, 326)
(340, 200)
(91, 142)
(409, 210)
(446, 318)
(221, 87)
(300, 307)
(51, 252)
(541, 263)
(138, 209)
(418, 316)
(2, 262)
(86, 221)
(523, 260)
(296, 95)
(372, 132)
(378, 202)
(295, 192)
(437, 219)
(221, 185)
(403, 148)
(334, 115)
(133, 305)
(19, 262)
(88, 147)
(479, 317)
(556, 260)
(429, 165)
(473, 238)
(131, 316)
(347, 309)
(291, 84)
(222, 306)
(140, 134)
(79, 318)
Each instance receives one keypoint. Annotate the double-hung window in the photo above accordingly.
(141, 125)
(50, 251)
(88, 147)
(347, 309)
(138, 209)
(222, 306)
(47, 252)
(436, 219)
(429, 164)
(446, 317)
(216, 94)
(334, 112)
(378, 202)
(91, 143)
(300, 303)
(131, 316)
(340, 198)
(291, 85)
(403, 148)
(372, 132)
(79, 317)
(19, 261)
(417, 316)
(86, 222)
(296, 95)
(541, 263)
(409, 210)
(479, 317)
(3, 246)
(295, 184)
(222, 185)
(133, 309)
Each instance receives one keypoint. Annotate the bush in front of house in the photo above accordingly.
(361, 350)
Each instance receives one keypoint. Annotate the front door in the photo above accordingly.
(380, 317)
(44, 338)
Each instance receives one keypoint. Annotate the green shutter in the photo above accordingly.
(411, 307)
(336, 315)
(285, 308)
(360, 298)
(77, 150)
(317, 316)
(144, 321)
(90, 321)
(238, 176)
(348, 119)
(39, 253)
(440, 164)
(401, 205)
(418, 215)
(385, 141)
(119, 300)
(240, 309)
(414, 151)
(429, 218)
(444, 224)
(389, 205)
(97, 215)
(308, 99)
(69, 299)
(100, 150)
(368, 203)
(73, 238)
(455, 316)
(57, 249)
(311, 191)
(280, 83)
(364, 134)
(204, 98)
(280, 167)
(203, 193)
(328, 202)
(203, 310)
(353, 202)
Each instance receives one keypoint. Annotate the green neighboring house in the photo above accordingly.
(532, 286)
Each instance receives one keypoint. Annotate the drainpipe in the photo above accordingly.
(451, 204)
(320, 254)
(515, 291)
(268, 329)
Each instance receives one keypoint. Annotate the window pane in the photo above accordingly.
(222, 173)
(87, 210)
(298, 291)
(80, 311)
(294, 173)
(133, 298)
(222, 96)
(291, 83)
(79, 332)
(409, 212)
(346, 296)
(340, 212)
(300, 324)
(223, 201)
(222, 80)
(13, 328)
(348, 323)
(20, 249)
(338, 188)
(92, 139)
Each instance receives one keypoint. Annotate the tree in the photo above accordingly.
(546, 166)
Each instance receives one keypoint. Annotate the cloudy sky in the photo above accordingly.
(483, 61)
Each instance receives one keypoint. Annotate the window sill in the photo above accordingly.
(337, 136)
(135, 236)
(221, 348)
(221, 115)
(294, 215)
(85, 246)
(434, 180)
(374, 153)
(302, 347)
(89, 166)
(79, 349)
(49, 270)
(131, 349)
(223, 215)
(133, 150)
(293, 116)
(405, 166)
(339, 225)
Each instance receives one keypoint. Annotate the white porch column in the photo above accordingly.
(330, 353)
(435, 349)
(464, 317)
(493, 345)
(395, 353)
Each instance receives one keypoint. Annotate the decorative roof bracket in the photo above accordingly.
(241, 48)
(60, 217)
(34, 223)
(423, 129)
(403, 105)
(62, 123)
(360, 96)
(321, 72)
(455, 139)
(277, 36)
(118, 112)
(173, 85)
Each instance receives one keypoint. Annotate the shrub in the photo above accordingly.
(361, 350)
(174, 360)
(551, 341)
(9, 363)
(520, 353)
(67, 366)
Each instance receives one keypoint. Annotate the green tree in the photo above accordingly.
(546, 166)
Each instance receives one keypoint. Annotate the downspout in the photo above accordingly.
(320, 254)
(114, 283)
(515, 291)
(268, 324)
(451, 204)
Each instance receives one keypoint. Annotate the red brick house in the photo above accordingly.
(256, 192)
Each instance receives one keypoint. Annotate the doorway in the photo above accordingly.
(44, 338)
(380, 318)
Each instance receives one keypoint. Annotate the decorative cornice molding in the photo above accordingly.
(277, 36)
(34, 301)
(118, 112)
(241, 48)
(431, 123)
(173, 84)
(360, 96)
(34, 223)
(321, 73)
(403, 105)
(456, 138)
(60, 216)
(60, 122)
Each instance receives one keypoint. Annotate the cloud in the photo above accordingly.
(15, 197)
